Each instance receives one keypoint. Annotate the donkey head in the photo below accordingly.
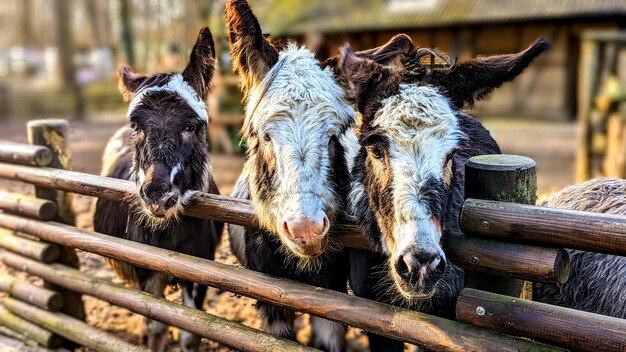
(409, 135)
(169, 121)
(296, 116)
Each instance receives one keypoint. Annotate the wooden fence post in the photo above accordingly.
(505, 178)
(54, 134)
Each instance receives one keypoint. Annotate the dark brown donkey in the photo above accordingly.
(163, 149)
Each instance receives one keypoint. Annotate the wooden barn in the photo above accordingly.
(463, 29)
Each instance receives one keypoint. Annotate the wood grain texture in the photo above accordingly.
(54, 134)
(522, 261)
(506, 178)
(241, 212)
(603, 233)
(41, 251)
(27, 292)
(71, 328)
(231, 334)
(578, 330)
(25, 154)
(29, 330)
(41, 209)
(428, 331)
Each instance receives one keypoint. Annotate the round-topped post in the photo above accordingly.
(54, 134)
(503, 178)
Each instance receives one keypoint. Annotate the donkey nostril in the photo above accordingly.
(325, 225)
(403, 265)
(286, 229)
(441, 264)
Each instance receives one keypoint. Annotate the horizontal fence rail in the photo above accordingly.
(515, 260)
(594, 232)
(28, 206)
(417, 328)
(231, 334)
(25, 154)
(41, 251)
(581, 331)
(71, 328)
(27, 292)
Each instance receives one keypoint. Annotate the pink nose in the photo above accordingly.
(307, 233)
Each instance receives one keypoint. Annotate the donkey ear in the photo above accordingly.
(129, 82)
(360, 75)
(252, 54)
(398, 46)
(201, 67)
(473, 80)
(387, 54)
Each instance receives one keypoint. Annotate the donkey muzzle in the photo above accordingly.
(157, 191)
(308, 235)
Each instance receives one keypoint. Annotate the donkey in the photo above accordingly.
(597, 282)
(407, 179)
(164, 151)
(299, 146)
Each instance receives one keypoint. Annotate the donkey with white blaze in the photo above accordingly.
(298, 138)
(408, 175)
(597, 281)
(163, 150)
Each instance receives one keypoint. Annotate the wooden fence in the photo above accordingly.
(509, 243)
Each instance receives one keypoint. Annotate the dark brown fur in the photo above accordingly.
(164, 131)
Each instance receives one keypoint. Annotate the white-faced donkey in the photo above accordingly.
(299, 142)
(408, 176)
(163, 149)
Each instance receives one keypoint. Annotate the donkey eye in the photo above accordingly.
(190, 128)
(377, 152)
(266, 137)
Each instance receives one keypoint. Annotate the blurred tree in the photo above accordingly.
(127, 32)
(99, 22)
(66, 56)
(26, 31)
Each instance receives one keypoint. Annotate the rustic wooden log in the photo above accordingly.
(27, 329)
(241, 212)
(27, 292)
(506, 178)
(70, 328)
(522, 261)
(41, 251)
(25, 154)
(54, 134)
(20, 337)
(417, 328)
(29, 206)
(232, 334)
(603, 233)
(578, 330)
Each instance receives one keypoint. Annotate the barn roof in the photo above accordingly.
(327, 16)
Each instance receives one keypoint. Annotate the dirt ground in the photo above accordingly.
(550, 144)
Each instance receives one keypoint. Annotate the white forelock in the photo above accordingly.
(300, 80)
(177, 85)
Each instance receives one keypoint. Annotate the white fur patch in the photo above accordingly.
(176, 85)
(175, 170)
